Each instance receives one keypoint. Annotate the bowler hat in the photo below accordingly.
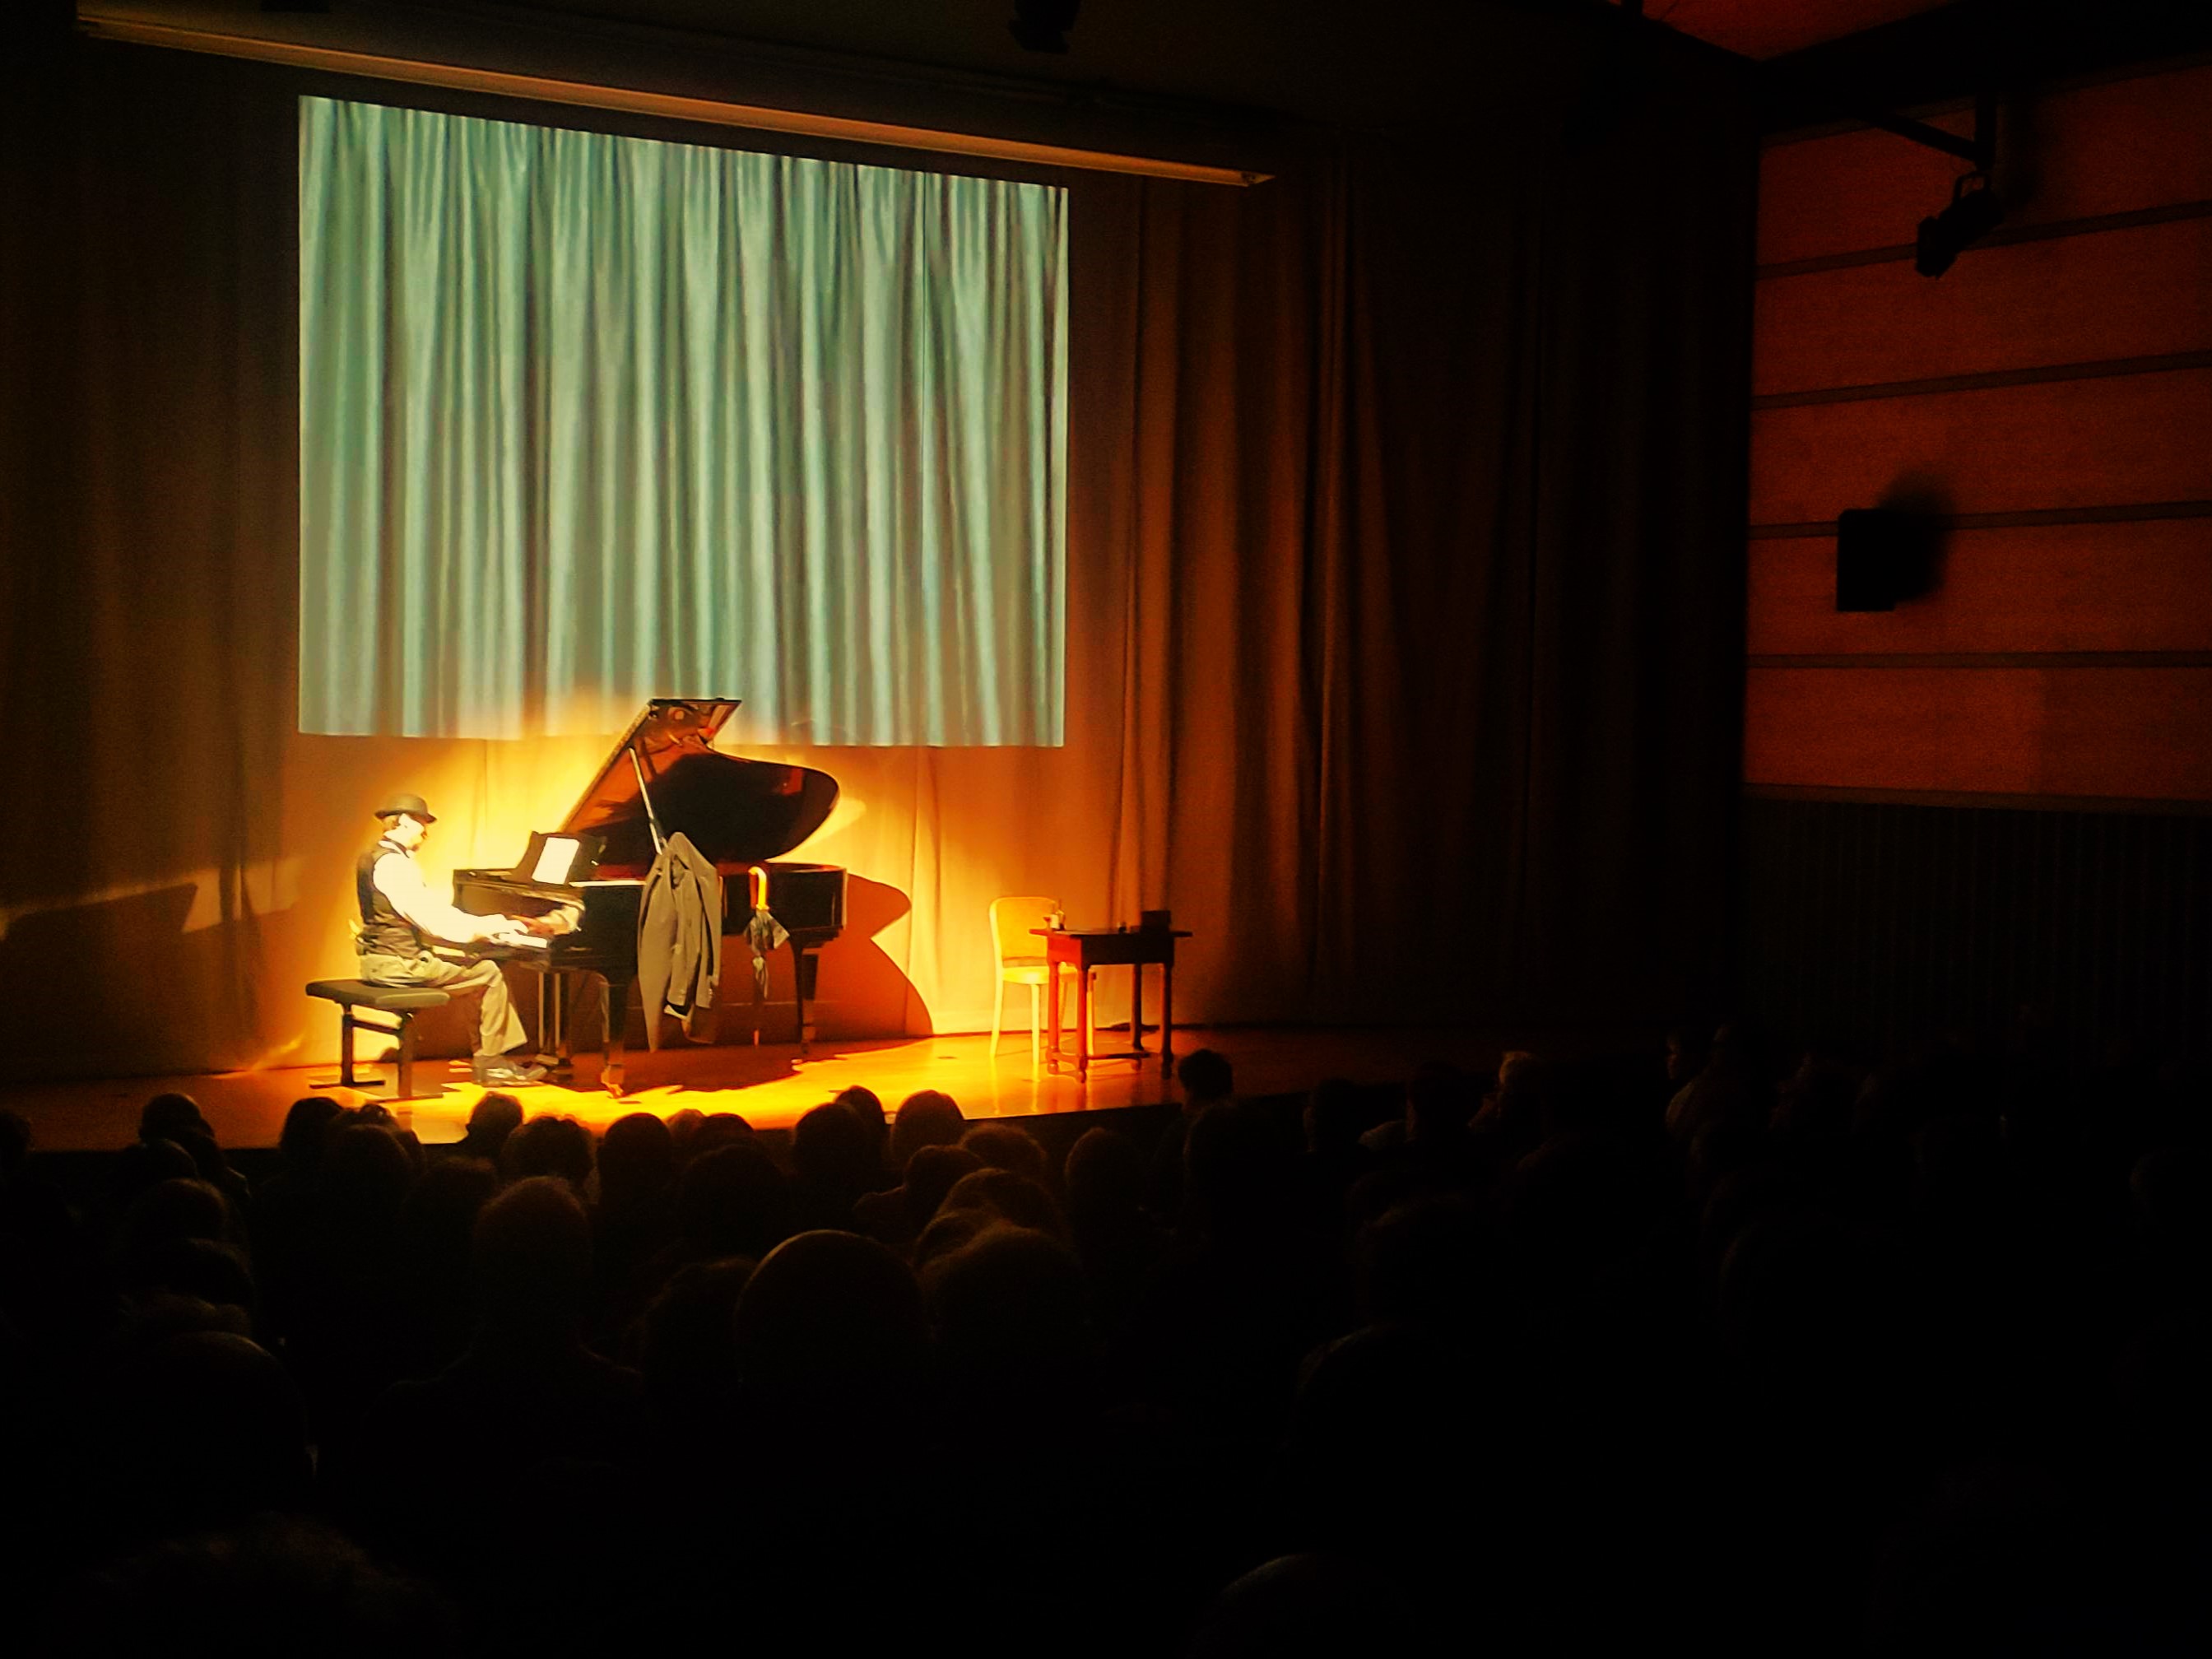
(411, 806)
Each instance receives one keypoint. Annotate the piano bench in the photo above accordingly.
(401, 1002)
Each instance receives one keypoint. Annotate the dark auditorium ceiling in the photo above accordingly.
(1768, 29)
(1367, 63)
(1357, 60)
(1360, 60)
(1134, 40)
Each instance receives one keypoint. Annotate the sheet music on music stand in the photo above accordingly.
(554, 860)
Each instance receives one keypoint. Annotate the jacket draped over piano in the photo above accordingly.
(679, 934)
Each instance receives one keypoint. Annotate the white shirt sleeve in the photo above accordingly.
(399, 878)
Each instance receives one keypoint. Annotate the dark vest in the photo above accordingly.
(383, 929)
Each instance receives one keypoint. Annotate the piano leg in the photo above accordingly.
(802, 977)
(611, 1071)
(563, 985)
(553, 1019)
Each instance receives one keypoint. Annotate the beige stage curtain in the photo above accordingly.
(1404, 600)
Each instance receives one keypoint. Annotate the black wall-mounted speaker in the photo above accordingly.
(1884, 553)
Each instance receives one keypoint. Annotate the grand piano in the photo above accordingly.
(663, 777)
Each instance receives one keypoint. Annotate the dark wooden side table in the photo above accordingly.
(1136, 948)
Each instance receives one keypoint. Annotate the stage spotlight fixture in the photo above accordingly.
(1974, 212)
(1042, 25)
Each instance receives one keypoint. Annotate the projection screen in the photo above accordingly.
(588, 419)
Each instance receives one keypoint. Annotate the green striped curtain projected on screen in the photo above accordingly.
(585, 420)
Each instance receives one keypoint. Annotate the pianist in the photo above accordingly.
(411, 936)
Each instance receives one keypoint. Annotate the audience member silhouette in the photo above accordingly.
(207, 1430)
(927, 1118)
(864, 1103)
(1011, 1197)
(178, 1117)
(1119, 1244)
(15, 1146)
(731, 1201)
(833, 1160)
(631, 1214)
(494, 1117)
(832, 1348)
(274, 1584)
(1204, 1079)
(1002, 1147)
(548, 1145)
(436, 1225)
(1013, 1323)
(463, 1471)
(1315, 1604)
(685, 1348)
(896, 1216)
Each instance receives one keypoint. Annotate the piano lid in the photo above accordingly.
(736, 811)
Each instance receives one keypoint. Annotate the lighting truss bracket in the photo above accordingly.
(1981, 150)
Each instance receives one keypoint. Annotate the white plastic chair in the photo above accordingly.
(1021, 962)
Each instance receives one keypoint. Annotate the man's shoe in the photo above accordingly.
(504, 1071)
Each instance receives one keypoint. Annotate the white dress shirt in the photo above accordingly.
(400, 880)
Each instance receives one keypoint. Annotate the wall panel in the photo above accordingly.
(2084, 443)
(2133, 733)
(2142, 291)
(2145, 586)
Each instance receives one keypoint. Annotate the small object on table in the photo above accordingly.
(1085, 948)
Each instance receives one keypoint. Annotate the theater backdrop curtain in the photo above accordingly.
(588, 419)
(1403, 636)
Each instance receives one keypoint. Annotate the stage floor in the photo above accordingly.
(770, 1085)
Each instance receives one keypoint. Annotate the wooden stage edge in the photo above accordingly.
(770, 1085)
